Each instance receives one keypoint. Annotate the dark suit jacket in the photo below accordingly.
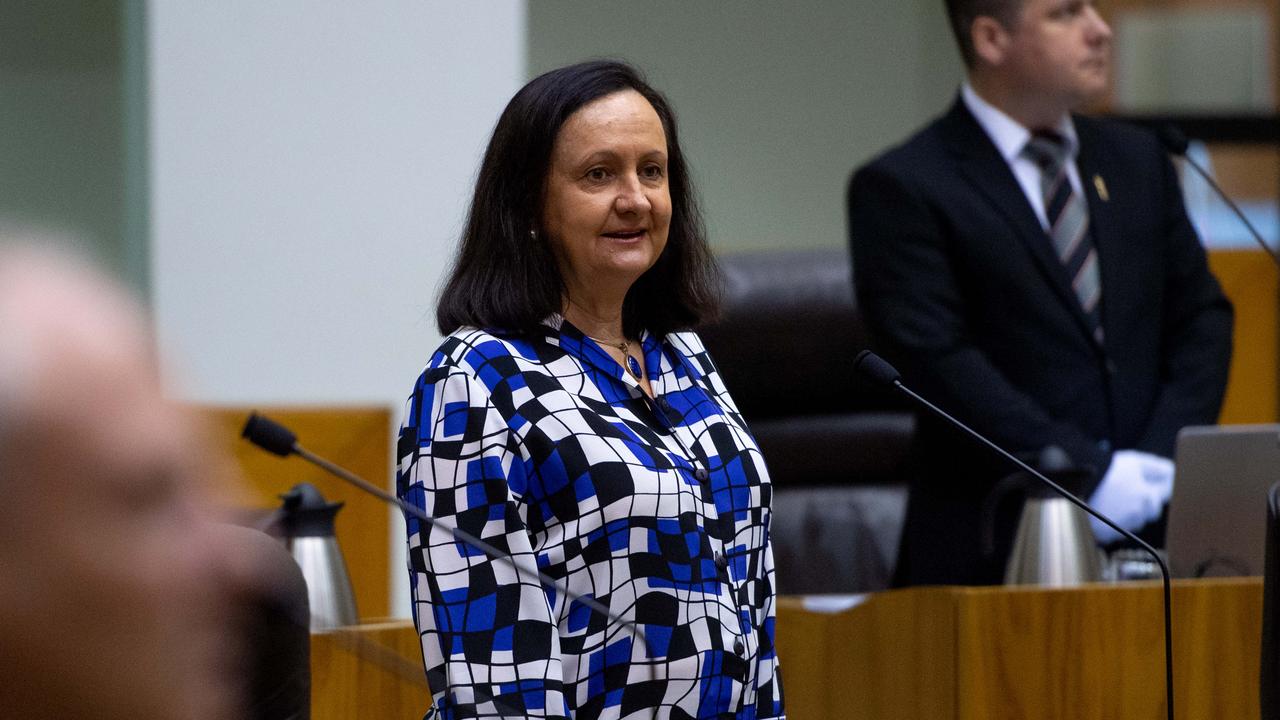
(963, 292)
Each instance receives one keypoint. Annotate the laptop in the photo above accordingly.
(1218, 512)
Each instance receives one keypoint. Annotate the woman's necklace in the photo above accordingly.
(630, 363)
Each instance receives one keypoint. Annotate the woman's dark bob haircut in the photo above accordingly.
(505, 277)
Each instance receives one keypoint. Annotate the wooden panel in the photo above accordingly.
(935, 653)
(893, 656)
(1247, 172)
(898, 653)
(1055, 654)
(802, 640)
(1223, 682)
(1250, 280)
(356, 438)
(370, 671)
(1098, 652)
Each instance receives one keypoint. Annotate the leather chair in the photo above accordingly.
(835, 445)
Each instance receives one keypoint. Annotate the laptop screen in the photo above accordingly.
(1218, 511)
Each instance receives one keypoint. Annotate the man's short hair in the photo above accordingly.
(962, 13)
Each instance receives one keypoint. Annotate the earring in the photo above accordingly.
(533, 234)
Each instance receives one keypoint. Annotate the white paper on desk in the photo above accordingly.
(832, 603)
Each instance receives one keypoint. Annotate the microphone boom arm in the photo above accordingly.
(1177, 144)
(275, 438)
(1257, 236)
(883, 373)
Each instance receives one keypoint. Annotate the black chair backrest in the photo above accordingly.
(1269, 687)
(788, 335)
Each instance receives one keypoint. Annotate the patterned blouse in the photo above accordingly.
(658, 509)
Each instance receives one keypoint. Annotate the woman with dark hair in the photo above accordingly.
(573, 420)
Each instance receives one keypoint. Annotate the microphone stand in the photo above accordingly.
(881, 371)
(1177, 143)
(279, 440)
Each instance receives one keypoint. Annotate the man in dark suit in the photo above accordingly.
(1034, 273)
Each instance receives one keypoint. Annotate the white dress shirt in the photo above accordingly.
(1010, 138)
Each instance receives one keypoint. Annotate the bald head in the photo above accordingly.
(64, 327)
(113, 600)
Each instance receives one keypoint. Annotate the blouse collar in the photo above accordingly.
(658, 364)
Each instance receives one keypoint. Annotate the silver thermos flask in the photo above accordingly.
(306, 520)
(1053, 545)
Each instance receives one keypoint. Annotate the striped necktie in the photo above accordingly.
(1068, 218)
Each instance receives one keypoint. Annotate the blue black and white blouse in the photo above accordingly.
(659, 509)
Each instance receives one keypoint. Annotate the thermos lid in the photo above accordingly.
(1058, 465)
(305, 512)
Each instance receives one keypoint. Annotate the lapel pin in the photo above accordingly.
(1101, 187)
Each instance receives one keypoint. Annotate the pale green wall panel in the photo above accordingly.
(778, 102)
(62, 125)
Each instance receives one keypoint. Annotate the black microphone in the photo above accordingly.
(270, 436)
(279, 440)
(878, 370)
(1176, 143)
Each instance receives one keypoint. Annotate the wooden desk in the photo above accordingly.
(963, 653)
(368, 671)
(969, 653)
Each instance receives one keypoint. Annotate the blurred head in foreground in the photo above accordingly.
(113, 585)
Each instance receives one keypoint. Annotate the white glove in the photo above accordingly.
(1132, 493)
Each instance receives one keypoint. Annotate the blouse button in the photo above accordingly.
(739, 649)
(701, 474)
(668, 413)
(722, 562)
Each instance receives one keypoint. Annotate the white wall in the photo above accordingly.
(310, 162)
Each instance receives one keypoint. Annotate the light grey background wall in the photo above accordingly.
(778, 101)
(310, 166)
